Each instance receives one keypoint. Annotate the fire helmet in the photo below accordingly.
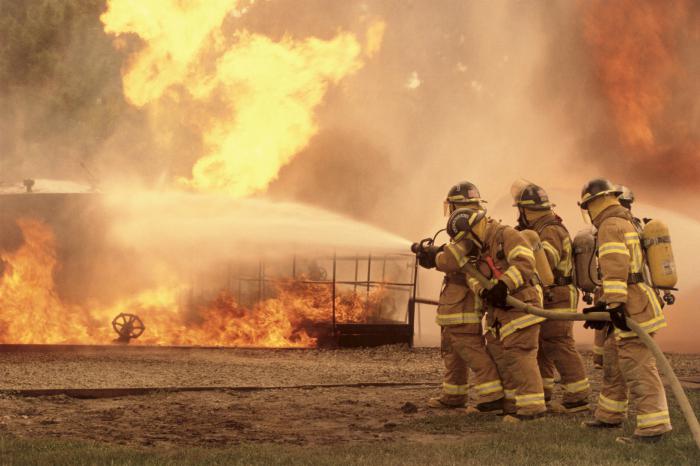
(597, 188)
(460, 195)
(462, 221)
(530, 196)
(626, 198)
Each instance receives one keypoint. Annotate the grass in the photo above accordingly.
(468, 440)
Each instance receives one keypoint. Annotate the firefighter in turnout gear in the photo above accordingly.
(626, 199)
(504, 255)
(629, 366)
(557, 346)
(459, 315)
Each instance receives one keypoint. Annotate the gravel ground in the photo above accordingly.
(99, 367)
(219, 417)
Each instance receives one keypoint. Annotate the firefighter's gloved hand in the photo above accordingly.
(426, 257)
(496, 295)
(617, 316)
(595, 324)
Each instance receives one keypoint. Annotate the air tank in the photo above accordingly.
(543, 268)
(662, 267)
(585, 260)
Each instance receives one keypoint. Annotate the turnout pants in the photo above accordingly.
(629, 365)
(557, 350)
(495, 349)
(462, 351)
(516, 357)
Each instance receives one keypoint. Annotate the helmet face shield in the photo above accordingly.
(586, 216)
(516, 189)
(450, 206)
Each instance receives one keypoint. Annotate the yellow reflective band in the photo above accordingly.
(530, 396)
(651, 296)
(653, 419)
(614, 287)
(515, 276)
(548, 383)
(540, 295)
(573, 297)
(521, 251)
(631, 236)
(566, 266)
(613, 248)
(552, 251)
(519, 323)
(458, 318)
(450, 389)
(598, 350)
(529, 400)
(474, 285)
(612, 405)
(649, 326)
(509, 394)
(489, 387)
(576, 387)
(457, 253)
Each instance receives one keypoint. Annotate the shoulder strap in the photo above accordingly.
(500, 253)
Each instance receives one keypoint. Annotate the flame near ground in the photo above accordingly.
(33, 311)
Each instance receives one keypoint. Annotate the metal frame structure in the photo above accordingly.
(350, 334)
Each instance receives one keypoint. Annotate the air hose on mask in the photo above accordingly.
(676, 387)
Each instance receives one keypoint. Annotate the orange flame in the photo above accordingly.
(32, 311)
(636, 48)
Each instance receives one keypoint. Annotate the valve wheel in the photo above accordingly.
(128, 326)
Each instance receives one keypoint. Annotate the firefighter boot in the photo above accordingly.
(598, 424)
(440, 403)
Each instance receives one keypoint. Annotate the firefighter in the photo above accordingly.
(628, 364)
(459, 317)
(626, 199)
(503, 254)
(557, 346)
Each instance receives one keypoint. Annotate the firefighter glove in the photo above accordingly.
(496, 295)
(617, 316)
(426, 257)
(595, 324)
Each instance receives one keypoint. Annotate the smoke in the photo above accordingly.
(649, 79)
(434, 92)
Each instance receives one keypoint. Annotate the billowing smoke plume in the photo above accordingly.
(429, 93)
(644, 57)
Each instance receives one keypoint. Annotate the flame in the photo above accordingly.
(33, 312)
(258, 95)
(636, 48)
(375, 37)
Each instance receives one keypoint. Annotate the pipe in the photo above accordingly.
(666, 368)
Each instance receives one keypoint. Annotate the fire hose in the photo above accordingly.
(666, 368)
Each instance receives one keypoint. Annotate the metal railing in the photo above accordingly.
(262, 279)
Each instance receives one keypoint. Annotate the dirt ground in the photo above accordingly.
(219, 417)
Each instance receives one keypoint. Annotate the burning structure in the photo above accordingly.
(62, 280)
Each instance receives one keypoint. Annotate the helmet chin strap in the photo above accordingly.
(522, 219)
